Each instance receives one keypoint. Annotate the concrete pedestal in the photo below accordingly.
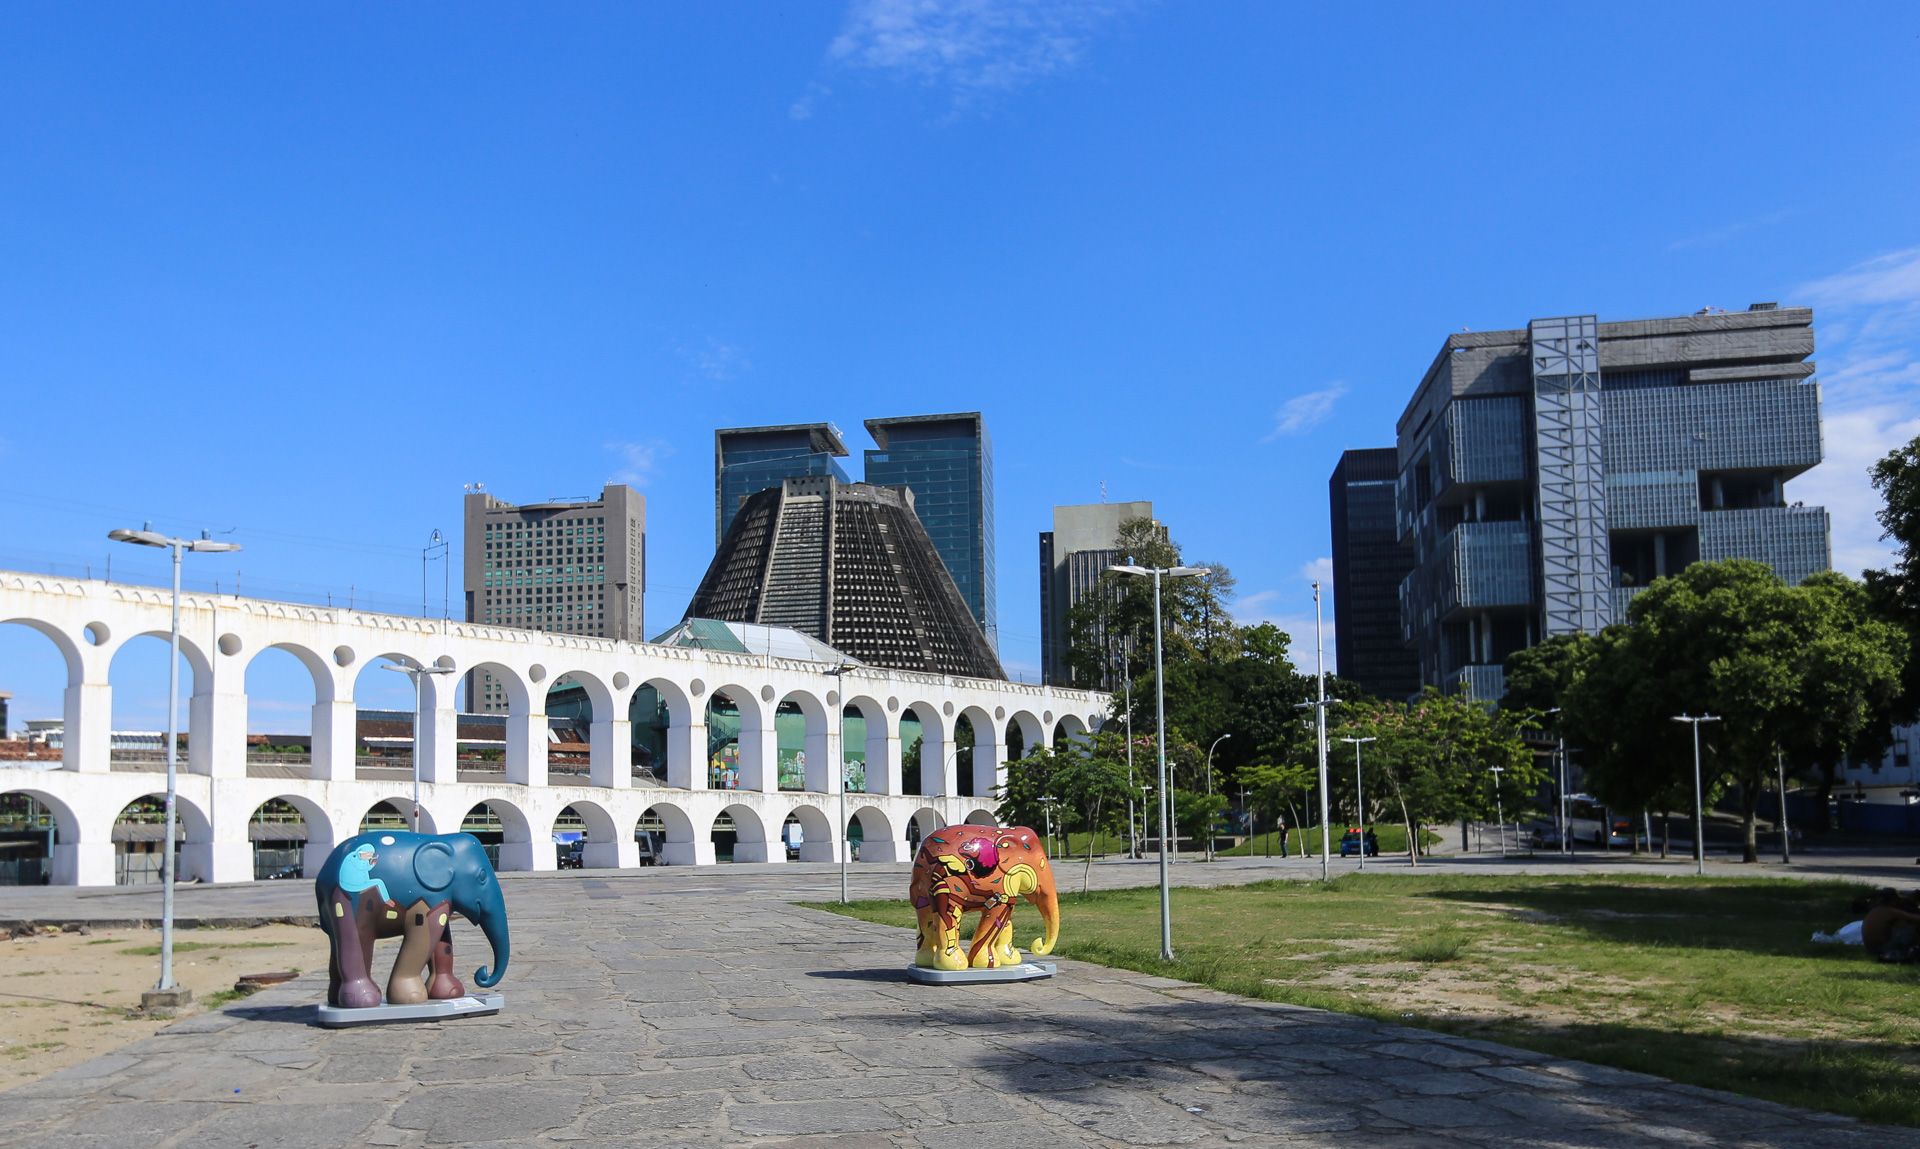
(1025, 971)
(472, 1005)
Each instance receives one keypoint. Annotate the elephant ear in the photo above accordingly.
(433, 865)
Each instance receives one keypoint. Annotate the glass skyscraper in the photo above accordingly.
(751, 459)
(1368, 566)
(947, 461)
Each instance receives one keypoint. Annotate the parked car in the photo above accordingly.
(285, 872)
(1350, 843)
(572, 854)
(1545, 836)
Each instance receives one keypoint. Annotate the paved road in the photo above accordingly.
(821, 881)
(700, 1008)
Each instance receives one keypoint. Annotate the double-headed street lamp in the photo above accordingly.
(1160, 737)
(414, 673)
(1359, 797)
(1216, 742)
(840, 737)
(1699, 799)
(146, 536)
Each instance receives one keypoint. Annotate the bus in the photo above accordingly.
(1590, 822)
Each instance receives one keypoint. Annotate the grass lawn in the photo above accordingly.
(1708, 981)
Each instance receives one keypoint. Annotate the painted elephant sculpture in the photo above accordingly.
(961, 869)
(396, 884)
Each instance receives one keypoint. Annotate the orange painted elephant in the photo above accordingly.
(964, 868)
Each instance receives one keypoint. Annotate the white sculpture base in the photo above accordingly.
(472, 1005)
(1025, 971)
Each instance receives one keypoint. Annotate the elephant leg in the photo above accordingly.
(990, 938)
(405, 986)
(352, 952)
(946, 936)
(444, 985)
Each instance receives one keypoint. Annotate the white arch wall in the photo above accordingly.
(222, 634)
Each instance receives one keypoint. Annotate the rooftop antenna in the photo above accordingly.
(1103, 490)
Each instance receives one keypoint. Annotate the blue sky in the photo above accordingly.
(300, 271)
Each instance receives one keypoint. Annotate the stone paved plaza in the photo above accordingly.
(699, 1008)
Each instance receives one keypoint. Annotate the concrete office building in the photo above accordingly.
(1072, 555)
(947, 461)
(1547, 475)
(1368, 565)
(567, 567)
(751, 459)
(851, 565)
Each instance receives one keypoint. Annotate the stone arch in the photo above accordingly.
(518, 849)
(70, 858)
(1069, 732)
(192, 684)
(812, 771)
(926, 820)
(1024, 732)
(751, 841)
(317, 835)
(580, 708)
(85, 707)
(981, 818)
(936, 746)
(880, 762)
(401, 805)
(606, 848)
(661, 722)
(817, 840)
(678, 847)
(750, 765)
(514, 692)
(989, 753)
(878, 841)
(137, 839)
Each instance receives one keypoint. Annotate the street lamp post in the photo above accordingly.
(1560, 806)
(1216, 742)
(1699, 798)
(166, 993)
(1160, 737)
(1359, 802)
(414, 673)
(1319, 706)
(1499, 808)
(1780, 763)
(840, 710)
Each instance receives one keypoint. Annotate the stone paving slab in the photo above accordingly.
(677, 1018)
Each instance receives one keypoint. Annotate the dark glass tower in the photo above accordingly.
(750, 459)
(947, 461)
(1368, 566)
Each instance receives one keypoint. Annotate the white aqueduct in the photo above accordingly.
(89, 620)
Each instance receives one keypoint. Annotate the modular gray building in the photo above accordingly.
(1073, 554)
(1547, 475)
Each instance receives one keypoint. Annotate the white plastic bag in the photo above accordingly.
(1849, 935)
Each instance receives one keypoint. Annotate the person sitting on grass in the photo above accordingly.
(1889, 932)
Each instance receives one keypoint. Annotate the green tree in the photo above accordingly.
(1271, 786)
(1539, 676)
(1022, 799)
(1092, 785)
(1807, 672)
(1895, 593)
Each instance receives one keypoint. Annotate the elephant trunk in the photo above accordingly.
(494, 926)
(1047, 901)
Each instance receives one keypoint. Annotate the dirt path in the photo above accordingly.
(64, 997)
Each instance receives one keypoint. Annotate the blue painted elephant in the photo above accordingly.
(396, 884)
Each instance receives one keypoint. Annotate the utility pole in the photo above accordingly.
(1319, 705)
(1699, 798)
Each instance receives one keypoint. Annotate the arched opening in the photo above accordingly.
(43, 673)
(485, 825)
(570, 724)
(668, 836)
(648, 720)
(808, 835)
(1016, 741)
(496, 696)
(963, 756)
(278, 833)
(29, 833)
(282, 695)
(790, 739)
(138, 677)
(723, 749)
(585, 837)
(853, 749)
(745, 837)
(383, 702)
(925, 821)
(569, 840)
(504, 833)
(396, 814)
(912, 752)
(870, 836)
(139, 831)
(982, 818)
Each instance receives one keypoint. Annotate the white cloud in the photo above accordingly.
(802, 108)
(1870, 393)
(972, 46)
(1890, 278)
(639, 461)
(1320, 571)
(716, 360)
(1304, 412)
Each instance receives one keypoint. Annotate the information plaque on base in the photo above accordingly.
(470, 1005)
(1025, 971)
